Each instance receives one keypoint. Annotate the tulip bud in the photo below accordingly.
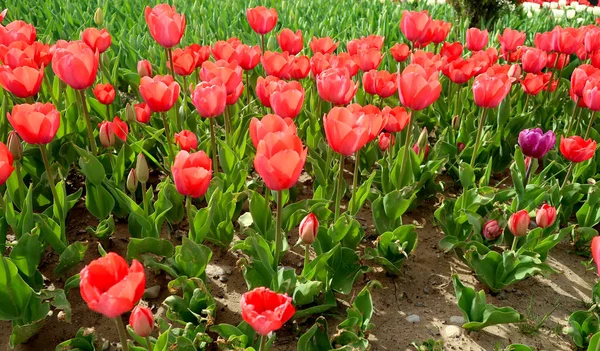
(132, 181)
(130, 114)
(98, 17)
(144, 68)
(308, 229)
(545, 216)
(141, 321)
(141, 169)
(460, 146)
(491, 230)
(518, 223)
(385, 140)
(14, 145)
(456, 122)
(106, 134)
(423, 141)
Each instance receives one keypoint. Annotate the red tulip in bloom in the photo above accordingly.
(265, 310)
(210, 98)
(417, 88)
(290, 41)
(248, 56)
(17, 31)
(166, 26)
(385, 141)
(336, 86)
(300, 67)
(544, 41)
(460, 71)
(364, 44)
(270, 123)
(279, 160)
(6, 163)
(591, 94)
(374, 117)
(491, 230)
(566, 40)
(184, 62)
(427, 60)
(576, 149)
(346, 132)
(192, 173)
(141, 321)
(287, 102)
(19, 54)
(580, 76)
(110, 287)
(550, 86)
(96, 39)
(533, 84)
(22, 82)
(159, 92)
(106, 134)
(186, 140)
(105, 93)
(477, 39)
(229, 73)
(319, 63)
(400, 52)
(369, 60)
(545, 216)
(201, 53)
(591, 40)
(323, 45)
(233, 97)
(277, 64)
(75, 64)
(144, 68)
(511, 39)
(512, 71)
(142, 112)
(518, 223)
(380, 83)
(223, 50)
(534, 60)
(261, 19)
(414, 24)
(440, 30)
(397, 118)
(345, 60)
(120, 128)
(490, 89)
(35, 123)
(309, 227)
(451, 51)
(265, 87)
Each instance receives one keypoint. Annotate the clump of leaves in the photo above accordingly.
(533, 322)
(481, 12)
(429, 345)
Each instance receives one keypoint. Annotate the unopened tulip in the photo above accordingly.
(35, 123)
(141, 169)
(75, 64)
(545, 216)
(97, 39)
(142, 112)
(518, 223)
(132, 181)
(290, 41)
(417, 88)
(309, 227)
(166, 26)
(279, 160)
(335, 85)
(385, 141)
(106, 134)
(400, 52)
(477, 39)
(144, 68)
(576, 149)
(210, 98)
(261, 19)
(13, 142)
(460, 146)
(159, 92)
(141, 321)
(491, 230)
(192, 173)
(105, 93)
(98, 17)
(535, 143)
(6, 163)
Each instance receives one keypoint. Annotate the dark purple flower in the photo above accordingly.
(535, 143)
(491, 230)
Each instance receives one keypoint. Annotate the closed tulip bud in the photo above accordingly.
(132, 181)
(460, 146)
(141, 321)
(545, 216)
(456, 122)
(309, 227)
(491, 230)
(422, 142)
(518, 223)
(98, 17)
(141, 169)
(130, 113)
(144, 68)
(385, 140)
(106, 134)
(595, 248)
(14, 145)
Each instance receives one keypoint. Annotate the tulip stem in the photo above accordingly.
(247, 88)
(122, 333)
(278, 229)
(144, 199)
(170, 65)
(30, 100)
(589, 129)
(306, 256)
(526, 103)
(52, 185)
(514, 243)
(262, 40)
(572, 119)
(107, 112)
(3, 204)
(169, 141)
(355, 175)
(148, 343)
(569, 171)
(227, 123)
(21, 188)
(528, 172)
(338, 194)
(88, 122)
(456, 112)
(213, 145)
(263, 342)
(406, 148)
(478, 137)
(181, 121)
(188, 207)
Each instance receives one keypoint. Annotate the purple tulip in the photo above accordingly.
(535, 143)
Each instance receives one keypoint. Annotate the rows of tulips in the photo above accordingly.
(224, 135)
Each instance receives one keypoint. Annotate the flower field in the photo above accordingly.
(299, 175)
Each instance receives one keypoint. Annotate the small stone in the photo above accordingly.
(223, 279)
(229, 272)
(81, 231)
(413, 318)
(105, 345)
(501, 296)
(152, 292)
(451, 331)
(426, 290)
(419, 304)
(457, 320)
(61, 316)
(299, 264)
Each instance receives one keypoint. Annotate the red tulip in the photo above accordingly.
(397, 118)
(192, 173)
(109, 287)
(264, 88)
(400, 52)
(591, 41)
(385, 141)
(290, 41)
(319, 63)
(380, 83)
(184, 62)
(518, 223)
(105, 93)
(106, 134)
(576, 149)
(261, 19)
(19, 54)
(287, 102)
(270, 124)
(223, 50)
(345, 60)
(369, 60)
(373, 41)
(534, 60)
(300, 67)
(591, 94)
(417, 88)
(566, 40)
(233, 97)
(440, 30)
(17, 31)
(141, 321)
(336, 86)
(374, 117)
(451, 51)
(144, 68)
(277, 64)
(323, 45)
(309, 227)
(595, 248)
(159, 92)
(511, 39)
(559, 61)
(35, 123)
(201, 53)
(477, 39)
(22, 82)
(418, 151)
(120, 128)
(248, 56)
(96, 39)
(210, 98)
(166, 26)
(142, 112)
(265, 310)
(186, 140)
(427, 60)
(580, 76)
(545, 216)
(229, 73)
(460, 71)
(533, 84)
(414, 24)
(279, 160)
(346, 132)
(544, 41)
(6, 163)
(490, 89)
(75, 64)
(547, 85)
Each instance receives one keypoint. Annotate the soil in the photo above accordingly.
(424, 289)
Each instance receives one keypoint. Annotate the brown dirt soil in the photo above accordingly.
(424, 289)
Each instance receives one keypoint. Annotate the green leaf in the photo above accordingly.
(70, 257)
(192, 258)
(14, 292)
(90, 166)
(316, 338)
(98, 200)
(159, 247)
(161, 342)
(360, 196)
(261, 213)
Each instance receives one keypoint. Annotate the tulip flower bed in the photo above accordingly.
(211, 176)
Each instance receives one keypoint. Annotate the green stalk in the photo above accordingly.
(188, 206)
(356, 172)
(569, 171)
(338, 194)
(213, 145)
(306, 255)
(406, 148)
(88, 122)
(21, 185)
(144, 199)
(263, 339)
(122, 333)
(589, 128)
(169, 141)
(184, 104)
(514, 243)
(148, 344)
(57, 202)
(572, 119)
(278, 233)
(478, 138)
